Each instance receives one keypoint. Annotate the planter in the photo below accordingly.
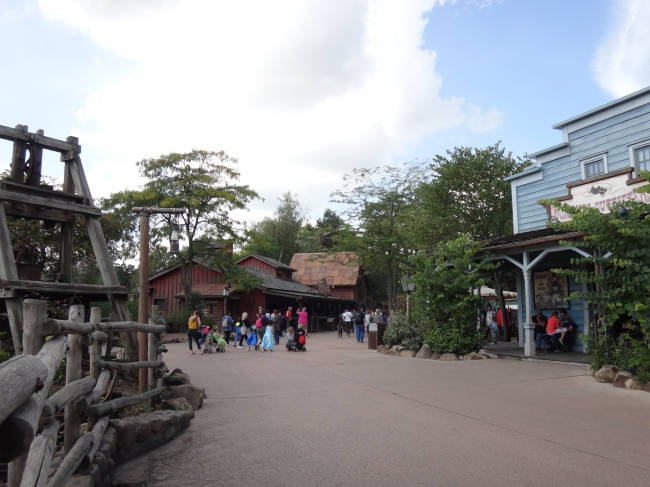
(29, 272)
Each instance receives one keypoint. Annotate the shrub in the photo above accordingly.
(398, 332)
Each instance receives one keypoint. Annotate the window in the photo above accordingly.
(595, 168)
(594, 165)
(642, 157)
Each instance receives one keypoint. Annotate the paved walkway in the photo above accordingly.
(341, 415)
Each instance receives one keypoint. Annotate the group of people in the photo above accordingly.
(262, 334)
(553, 330)
(360, 320)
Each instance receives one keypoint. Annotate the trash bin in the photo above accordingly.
(373, 343)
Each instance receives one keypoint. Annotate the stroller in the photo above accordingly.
(211, 344)
(300, 340)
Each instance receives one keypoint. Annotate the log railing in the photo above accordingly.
(28, 423)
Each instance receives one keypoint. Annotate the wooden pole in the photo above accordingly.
(40, 456)
(143, 302)
(34, 313)
(73, 373)
(152, 355)
(67, 230)
(96, 347)
(20, 377)
(8, 271)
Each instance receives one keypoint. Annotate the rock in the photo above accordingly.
(448, 357)
(406, 353)
(171, 340)
(487, 354)
(385, 351)
(178, 404)
(380, 348)
(473, 356)
(425, 352)
(591, 371)
(192, 394)
(633, 384)
(142, 431)
(176, 379)
(607, 373)
(620, 379)
(396, 349)
(647, 387)
(94, 472)
(435, 356)
(80, 481)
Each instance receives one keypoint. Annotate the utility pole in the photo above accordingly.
(143, 298)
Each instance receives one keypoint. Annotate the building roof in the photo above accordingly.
(340, 267)
(288, 285)
(275, 263)
(208, 289)
(533, 237)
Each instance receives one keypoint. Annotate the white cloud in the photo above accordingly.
(622, 62)
(299, 91)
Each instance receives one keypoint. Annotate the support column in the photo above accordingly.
(67, 229)
(8, 271)
(143, 301)
(529, 343)
(73, 373)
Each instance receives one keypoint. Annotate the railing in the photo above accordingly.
(28, 423)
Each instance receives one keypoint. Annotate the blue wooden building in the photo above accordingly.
(596, 164)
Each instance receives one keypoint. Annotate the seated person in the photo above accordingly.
(289, 338)
(567, 327)
(540, 329)
(553, 332)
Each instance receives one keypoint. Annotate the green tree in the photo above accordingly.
(204, 183)
(443, 303)
(377, 202)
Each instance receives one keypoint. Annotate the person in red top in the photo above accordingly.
(552, 323)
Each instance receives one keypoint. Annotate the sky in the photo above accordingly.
(302, 91)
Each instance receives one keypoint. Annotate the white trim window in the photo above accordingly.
(594, 165)
(642, 159)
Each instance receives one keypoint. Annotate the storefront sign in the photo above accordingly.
(601, 194)
(551, 290)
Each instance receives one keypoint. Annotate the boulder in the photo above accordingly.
(448, 357)
(487, 354)
(178, 404)
(435, 356)
(380, 348)
(176, 379)
(633, 384)
(425, 352)
(473, 356)
(607, 373)
(621, 378)
(396, 349)
(647, 387)
(385, 351)
(406, 353)
(171, 340)
(194, 395)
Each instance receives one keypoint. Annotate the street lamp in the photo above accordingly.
(408, 286)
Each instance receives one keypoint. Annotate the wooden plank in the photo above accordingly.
(72, 374)
(71, 392)
(129, 326)
(33, 213)
(67, 230)
(40, 456)
(12, 186)
(83, 403)
(97, 432)
(18, 430)
(35, 162)
(20, 377)
(117, 404)
(60, 287)
(129, 365)
(17, 172)
(7, 133)
(96, 347)
(8, 271)
(42, 202)
(72, 460)
(65, 327)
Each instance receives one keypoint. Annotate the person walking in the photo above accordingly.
(260, 329)
(251, 341)
(288, 317)
(193, 333)
(244, 329)
(226, 327)
(379, 318)
(359, 319)
(277, 324)
(347, 321)
(267, 340)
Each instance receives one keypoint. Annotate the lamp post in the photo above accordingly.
(408, 286)
(143, 299)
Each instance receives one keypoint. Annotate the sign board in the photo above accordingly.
(601, 194)
(551, 290)
(372, 326)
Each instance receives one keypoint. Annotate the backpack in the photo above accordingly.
(258, 323)
(358, 317)
(224, 324)
(302, 339)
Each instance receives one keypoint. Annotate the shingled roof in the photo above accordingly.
(275, 263)
(340, 267)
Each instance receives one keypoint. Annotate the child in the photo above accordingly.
(221, 343)
(289, 341)
(251, 341)
(340, 329)
(494, 329)
(268, 339)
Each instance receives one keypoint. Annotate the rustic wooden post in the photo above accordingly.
(35, 313)
(8, 271)
(73, 373)
(67, 229)
(96, 347)
(143, 298)
(151, 355)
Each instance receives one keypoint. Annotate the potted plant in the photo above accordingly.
(29, 262)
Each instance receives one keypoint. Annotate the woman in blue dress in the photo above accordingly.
(268, 340)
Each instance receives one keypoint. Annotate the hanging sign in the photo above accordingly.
(551, 290)
(601, 194)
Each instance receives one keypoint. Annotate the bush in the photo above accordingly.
(398, 332)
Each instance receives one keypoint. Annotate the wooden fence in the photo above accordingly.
(28, 423)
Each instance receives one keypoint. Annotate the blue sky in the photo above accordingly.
(301, 92)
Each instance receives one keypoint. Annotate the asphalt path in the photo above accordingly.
(341, 415)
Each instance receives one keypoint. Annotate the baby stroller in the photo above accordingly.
(300, 340)
(211, 344)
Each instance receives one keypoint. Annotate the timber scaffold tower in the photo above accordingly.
(22, 195)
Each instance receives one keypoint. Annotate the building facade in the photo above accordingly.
(597, 164)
